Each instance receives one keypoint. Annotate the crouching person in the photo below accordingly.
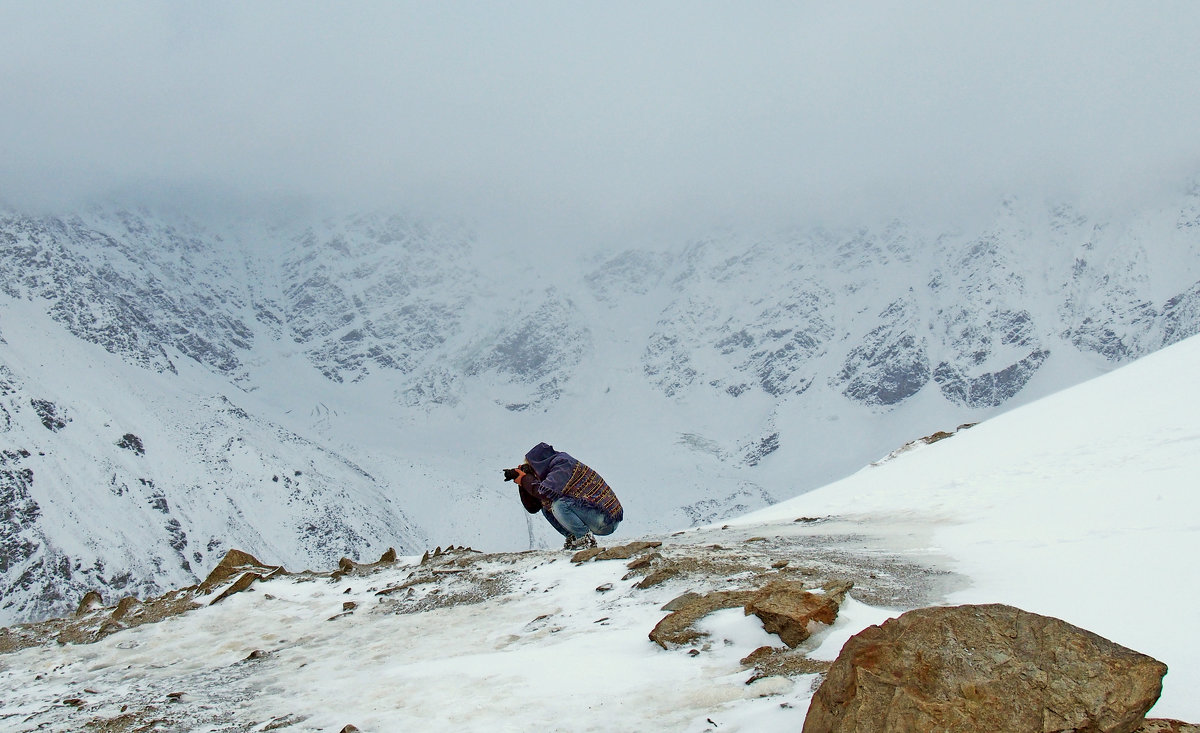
(572, 497)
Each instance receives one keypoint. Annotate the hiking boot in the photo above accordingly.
(579, 543)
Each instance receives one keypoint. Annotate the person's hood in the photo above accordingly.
(539, 458)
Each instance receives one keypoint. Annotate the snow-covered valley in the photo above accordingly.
(1080, 505)
(311, 390)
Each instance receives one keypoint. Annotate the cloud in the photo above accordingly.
(556, 116)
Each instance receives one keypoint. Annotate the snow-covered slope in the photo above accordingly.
(130, 480)
(1081, 505)
(414, 360)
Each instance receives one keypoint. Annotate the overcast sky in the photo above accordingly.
(602, 113)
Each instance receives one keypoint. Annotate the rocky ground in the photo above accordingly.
(814, 553)
(261, 662)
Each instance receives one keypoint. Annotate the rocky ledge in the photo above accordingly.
(962, 668)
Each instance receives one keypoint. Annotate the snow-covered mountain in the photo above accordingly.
(314, 389)
(1080, 506)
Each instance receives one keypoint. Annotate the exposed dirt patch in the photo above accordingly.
(769, 661)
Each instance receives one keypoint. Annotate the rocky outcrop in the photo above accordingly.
(793, 612)
(891, 363)
(676, 628)
(1181, 316)
(984, 668)
(1106, 313)
(787, 608)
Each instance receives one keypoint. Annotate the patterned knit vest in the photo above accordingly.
(587, 486)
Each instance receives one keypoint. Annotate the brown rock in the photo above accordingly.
(238, 586)
(790, 611)
(643, 561)
(675, 629)
(983, 669)
(230, 565)
(679, 602)
(387, 556)
(658, 576)
(90, 601)
(124, 606)
(620, 552)
(585, 555)
(624, 552)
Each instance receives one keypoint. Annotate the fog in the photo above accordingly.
(561, 117)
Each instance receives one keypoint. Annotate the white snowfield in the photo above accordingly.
(1081, 506)
(1084, 505)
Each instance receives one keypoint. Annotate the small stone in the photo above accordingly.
(655, 578)
(643, 561)
(679, 602)
(584, 555)
(604, 588)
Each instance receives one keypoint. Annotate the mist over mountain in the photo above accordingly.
(172, 386)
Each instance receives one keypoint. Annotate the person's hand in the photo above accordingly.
(520, 475)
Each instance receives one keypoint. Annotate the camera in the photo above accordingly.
(510, 474)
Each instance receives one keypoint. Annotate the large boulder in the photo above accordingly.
(984, 668)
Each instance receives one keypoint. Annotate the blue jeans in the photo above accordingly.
(575, 519)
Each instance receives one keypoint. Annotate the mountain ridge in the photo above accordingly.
(704, 378)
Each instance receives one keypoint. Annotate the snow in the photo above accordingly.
(427, 421)
(1081, 505)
